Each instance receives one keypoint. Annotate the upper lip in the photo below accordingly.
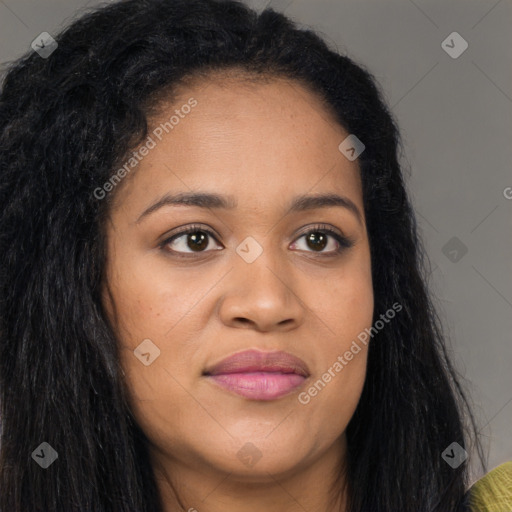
(257, 361)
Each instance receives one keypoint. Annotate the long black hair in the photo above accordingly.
(66, 121)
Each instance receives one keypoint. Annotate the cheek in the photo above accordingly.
(150, 303)
(329, 402)
(152, 306)
(344, 307)
(344, 311)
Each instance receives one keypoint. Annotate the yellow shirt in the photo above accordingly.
(493, 492)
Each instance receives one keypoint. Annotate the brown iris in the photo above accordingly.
(313, 240)
(197, 240)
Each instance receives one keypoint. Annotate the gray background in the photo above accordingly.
(455, 116)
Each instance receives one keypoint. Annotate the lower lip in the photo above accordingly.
(259, 385)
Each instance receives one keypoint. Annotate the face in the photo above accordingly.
(254, 275)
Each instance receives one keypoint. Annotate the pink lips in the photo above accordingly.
(259, 375)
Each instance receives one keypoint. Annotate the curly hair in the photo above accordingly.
(66, 122)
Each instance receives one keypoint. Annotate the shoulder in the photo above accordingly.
(493, 492)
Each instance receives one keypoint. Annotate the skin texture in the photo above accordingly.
(264, 144)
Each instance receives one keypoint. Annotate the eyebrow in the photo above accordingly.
(216, 201)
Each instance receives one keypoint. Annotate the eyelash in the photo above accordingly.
(343, 241)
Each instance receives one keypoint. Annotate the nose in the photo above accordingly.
(262, 295)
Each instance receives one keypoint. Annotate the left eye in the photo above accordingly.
(197, 239)
(319, 240)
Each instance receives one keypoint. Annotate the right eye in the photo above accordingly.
(194, 238)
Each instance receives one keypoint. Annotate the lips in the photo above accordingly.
(259, 375)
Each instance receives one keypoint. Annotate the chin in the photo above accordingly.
(265, 470)
(257, 458)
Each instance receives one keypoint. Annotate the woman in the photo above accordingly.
(212, 289)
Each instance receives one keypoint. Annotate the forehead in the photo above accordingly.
(257, 140)
(248, 102)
